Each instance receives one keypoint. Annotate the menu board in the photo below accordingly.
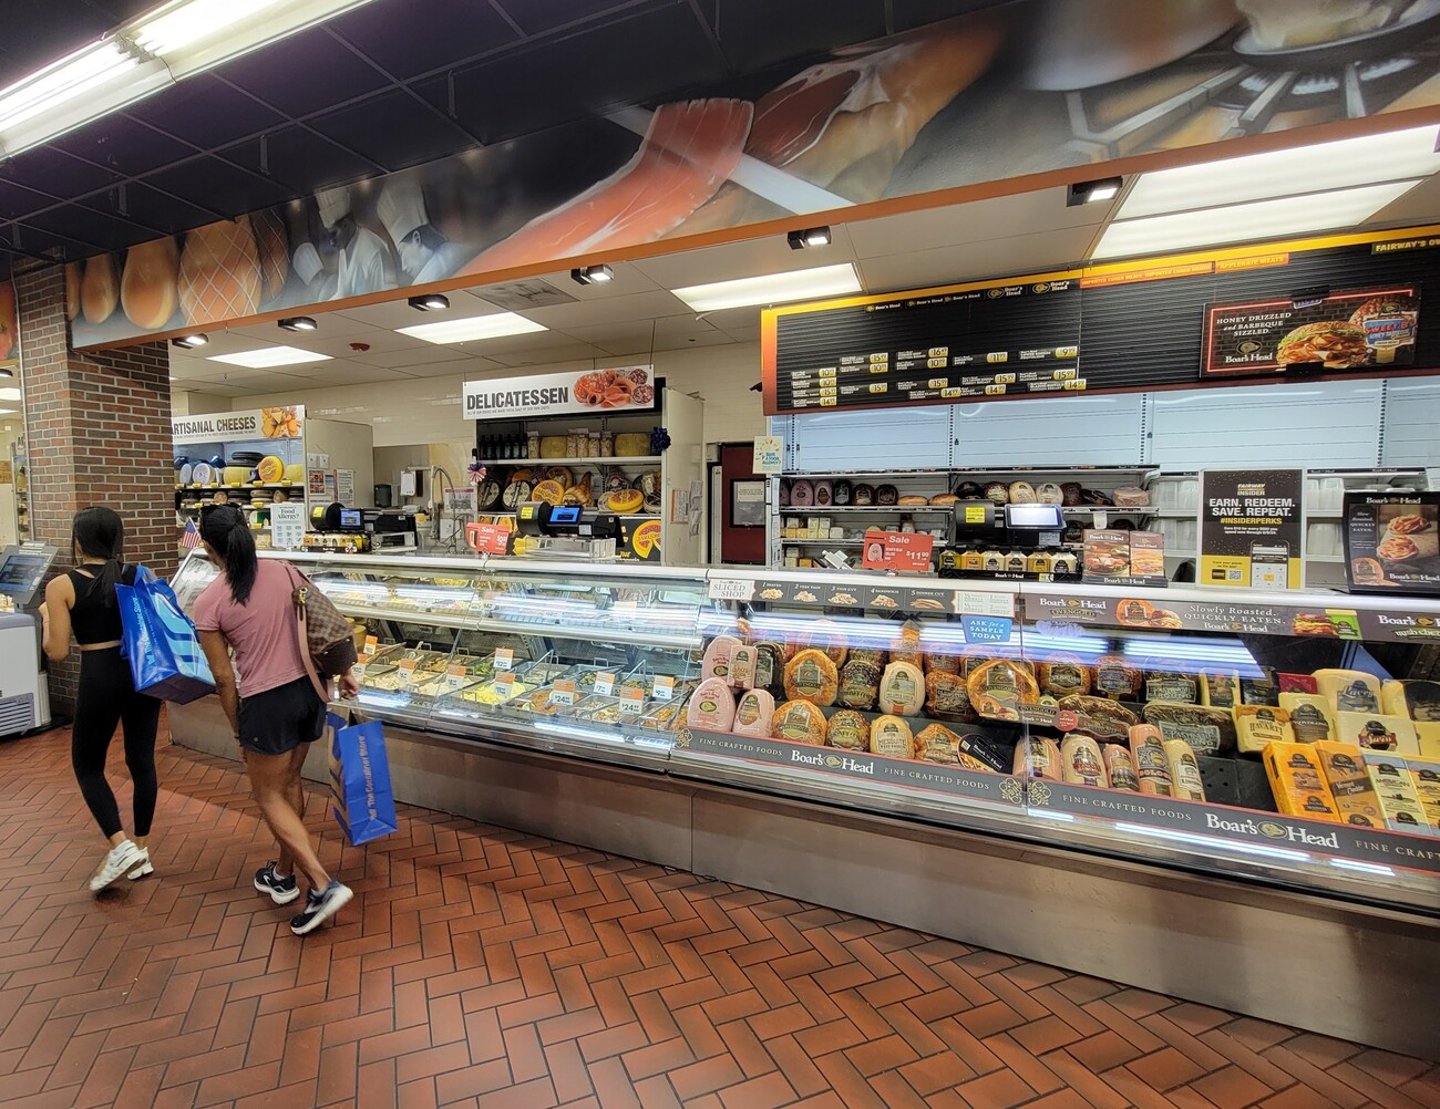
(1392, 542)
(975, 343)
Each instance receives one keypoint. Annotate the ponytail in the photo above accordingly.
(224, 528)
(99, 533)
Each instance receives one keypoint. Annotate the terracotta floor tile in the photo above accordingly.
(489, 968)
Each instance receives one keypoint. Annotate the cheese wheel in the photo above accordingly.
(848, 730)
(890, 736)
(799, 722)
(548, 491)
(902, 689)
(149, 290)
(624, 500)
(516, 494)
(811, 676)
(270, 469)
(99, 291)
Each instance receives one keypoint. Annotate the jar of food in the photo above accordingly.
(532, 444)
(607, 444)
(1039, 562)
(973, 559)
(994, 560)
(592, 446)
(1065, 563)
(575, 442)
(1015, 562)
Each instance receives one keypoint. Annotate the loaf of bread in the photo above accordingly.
(891, 736)
(849, 731)
(944, 500)
(912, 500)
(1022, 492)
(799, 722)
(812, 676)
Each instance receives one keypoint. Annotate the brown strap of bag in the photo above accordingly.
(299, 595)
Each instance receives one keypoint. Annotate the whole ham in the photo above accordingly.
(687, 153)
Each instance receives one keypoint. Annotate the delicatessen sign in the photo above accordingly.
(626, 388)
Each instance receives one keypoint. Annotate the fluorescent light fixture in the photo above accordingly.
(1261, 219)
(8, 412)
(9, 394)
(473, 328)
(1342, 164)
(142, 57)
(190, 342)
(266, 357)
(772, 288)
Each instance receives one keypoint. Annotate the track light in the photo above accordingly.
(430, 302)
(811, 236)
(299, 323)
(1106, 188)
(593, 275)
(189, 342)
(7, 373)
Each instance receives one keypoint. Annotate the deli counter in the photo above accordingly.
(1082, 775)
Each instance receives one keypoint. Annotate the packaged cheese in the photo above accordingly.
(1258, 726)
(1375, 731)
(1419, 700)
(848, 730)
(1425, 774)
(1397, 793)
(859, 684)
(1219, 688)
(718, 653)
(1152, 765)
(1062, 675)
(1355, 798)
(712, 706)
(628, 444)
(1184, 770)
(1297, 781)
(1037, 757)
(902, 689)
(1119, 767)
(891, 736)
(754, 713)
(811, 676)
(1260, 690)
(997, 688)
(1427, 736)
(1310, 718)
(1080, 761)
(799, 722)
(1348, 690)
(1296, 683)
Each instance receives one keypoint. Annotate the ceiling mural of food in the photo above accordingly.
(1008, 90)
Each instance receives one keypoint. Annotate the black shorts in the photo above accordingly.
(278, 720)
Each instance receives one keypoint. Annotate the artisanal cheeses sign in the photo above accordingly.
(620, 389)
(286, 422)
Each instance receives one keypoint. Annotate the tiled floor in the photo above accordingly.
(479, 966)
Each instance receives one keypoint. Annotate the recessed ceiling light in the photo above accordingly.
(473, 328)
(429, 302)
(1342, 164)
(266, 357)
(772, 288)
(298, 323)
(1236, 223)
(9, 394)
(593, 275)
(812, 236)
(189, 342)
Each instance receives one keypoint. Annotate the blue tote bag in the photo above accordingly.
(363, 804)
(160, 642)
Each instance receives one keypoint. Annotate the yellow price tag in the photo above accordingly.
(938, 382)
(883, 368)
(882, 357)
(998, 356)
(1004, 379)
(1066, 374)
(994, 390)
(936, 363)
(1075, 386)
(952, 392)
(974, 513)
(880, 387)
(827, 402)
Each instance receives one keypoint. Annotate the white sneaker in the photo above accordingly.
(142, 867)
(121, 859)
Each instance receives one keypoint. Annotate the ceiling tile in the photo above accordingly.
(205, 111)
(771, 254)
(636, 306)
(150, 207)
(999, 218)
(17, 201)
(758, 33)
(948, 265)
(542, 356)
(405, 46)
(298, 158)
(306, 72)
(90, 226)
(55, 172)
(123, 144)
(412, 356)
(536, 16)
(398, 313)
(209, 182)
(394, 129)
(1417, 206)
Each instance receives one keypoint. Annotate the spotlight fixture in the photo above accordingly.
(299, 323)
(430, 302)
(593, 275)
(190, 342)
(811, 236)
(1106, 188)
(6, 373)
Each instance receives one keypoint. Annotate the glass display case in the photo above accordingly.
(1286, 738)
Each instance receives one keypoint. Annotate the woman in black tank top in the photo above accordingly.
(83, 600)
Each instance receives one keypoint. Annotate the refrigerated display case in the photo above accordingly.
(914, 780)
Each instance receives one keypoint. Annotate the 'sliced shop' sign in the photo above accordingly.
(621, 389)
(284, 422)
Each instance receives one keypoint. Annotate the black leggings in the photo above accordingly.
(107, 697)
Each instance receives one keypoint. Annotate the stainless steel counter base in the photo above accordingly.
(1362, 974)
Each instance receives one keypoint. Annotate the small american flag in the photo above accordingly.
(190, 539)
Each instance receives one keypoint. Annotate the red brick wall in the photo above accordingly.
(99, 434)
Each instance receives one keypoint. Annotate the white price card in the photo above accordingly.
(504, 658)
(563, 694)
(455, 677)
(732, 589)
(605, 683)
(663, 688)
(372, 644)
(975, 603)
(632, 701)
(505, 683)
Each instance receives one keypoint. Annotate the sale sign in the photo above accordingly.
(488, 538)
(905, 552)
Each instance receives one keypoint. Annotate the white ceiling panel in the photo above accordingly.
(996, 258)
(771, 254)
(978, 221)
(541, 356)
(590, 313)
(420, 354)
(266, 382)
(399, 314)
(629, 279)
(348, 373)
(1420, 205)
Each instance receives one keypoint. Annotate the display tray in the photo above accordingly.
(605, 662)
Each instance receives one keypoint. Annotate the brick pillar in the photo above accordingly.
(98, 426)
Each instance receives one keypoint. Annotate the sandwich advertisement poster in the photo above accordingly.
(1250, 528)
(1341, 331)
(1392, 542)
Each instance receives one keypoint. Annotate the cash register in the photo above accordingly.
(24, 695)
(359, 530)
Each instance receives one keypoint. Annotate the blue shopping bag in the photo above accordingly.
(363, 804)
(160, 642)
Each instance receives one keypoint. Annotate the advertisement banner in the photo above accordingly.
(611, 391)
(1367, 327)
(286, 422)
(1250, 528)
(905, 552)
(1392, 542)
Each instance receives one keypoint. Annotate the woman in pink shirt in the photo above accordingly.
(271, 702)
